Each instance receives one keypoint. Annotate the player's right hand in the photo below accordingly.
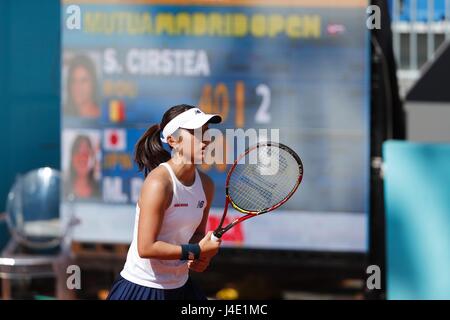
(208, 247)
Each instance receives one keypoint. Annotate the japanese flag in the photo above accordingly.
(114, 140)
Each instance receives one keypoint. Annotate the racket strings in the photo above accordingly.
(257, 197)
(264, 184)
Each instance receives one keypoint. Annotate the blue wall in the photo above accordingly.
(29, 90)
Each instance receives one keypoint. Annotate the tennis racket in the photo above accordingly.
(262, 179)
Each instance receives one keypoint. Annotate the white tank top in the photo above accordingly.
(180, 221)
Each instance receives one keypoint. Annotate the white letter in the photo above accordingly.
(73, 21)
(374, 281)
(241, 138)
(110, 65)
(112, 190)
(189, 67)
(132, 63)
(374, 21)
(202, 63)
(74, 280)
(214, 150)
(167, 63)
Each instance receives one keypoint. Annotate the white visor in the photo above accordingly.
(193, 118)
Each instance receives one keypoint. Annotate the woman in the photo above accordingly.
(172, 211)
(82, 169)
(82, 89)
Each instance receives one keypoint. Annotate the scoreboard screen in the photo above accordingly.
(293, 70)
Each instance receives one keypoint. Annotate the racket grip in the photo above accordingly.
(214, 238)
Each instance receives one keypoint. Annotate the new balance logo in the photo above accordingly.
(200, 204)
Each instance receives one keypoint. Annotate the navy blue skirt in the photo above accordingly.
(126, 290)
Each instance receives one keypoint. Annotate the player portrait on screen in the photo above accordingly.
(83, 168)
(82, 88)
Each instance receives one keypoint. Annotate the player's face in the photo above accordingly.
(82, 86)
(80, 159)
(194, 143)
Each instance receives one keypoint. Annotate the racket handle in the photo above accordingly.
(214, 238)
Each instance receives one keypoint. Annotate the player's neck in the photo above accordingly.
(185, 172)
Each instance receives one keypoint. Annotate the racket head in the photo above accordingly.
(258, 187)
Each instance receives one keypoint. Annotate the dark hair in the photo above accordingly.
(88, 65)
(75, 146)
(149, 151)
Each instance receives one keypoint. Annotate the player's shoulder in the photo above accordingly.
(158, 179)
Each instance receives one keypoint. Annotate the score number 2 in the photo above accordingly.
(262, 115)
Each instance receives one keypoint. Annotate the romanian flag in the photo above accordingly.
(116, 111)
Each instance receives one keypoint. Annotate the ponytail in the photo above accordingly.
(149, 151)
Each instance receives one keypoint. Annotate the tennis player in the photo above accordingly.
(171, 214)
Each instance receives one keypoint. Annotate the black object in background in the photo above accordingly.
(433, 83)
(387, 122)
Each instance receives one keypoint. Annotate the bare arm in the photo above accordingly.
(156, 194)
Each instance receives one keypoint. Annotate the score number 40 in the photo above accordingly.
(216, 99)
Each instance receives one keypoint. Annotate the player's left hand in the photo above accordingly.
(199, 265)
